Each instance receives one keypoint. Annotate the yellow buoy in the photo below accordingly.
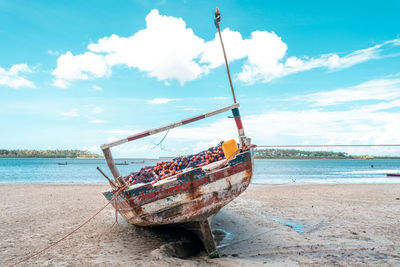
(230, 148)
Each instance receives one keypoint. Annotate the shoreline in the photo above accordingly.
(163, 158)
(252, 184)
(268, 225)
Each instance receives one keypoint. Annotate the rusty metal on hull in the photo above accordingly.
(192, 196)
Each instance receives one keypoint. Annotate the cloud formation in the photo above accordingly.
(367, 123)
(79, 67)
(156, 101)
(97, 121)
(13, 77)
(261, 67)
(72, 113)
(167, 50)
(97, 88)
(355, 126)
(379, 89)
(97, 110)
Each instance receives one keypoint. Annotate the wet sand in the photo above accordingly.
(292, 225)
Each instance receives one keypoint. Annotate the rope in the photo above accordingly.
(116, 207)
(162, 140)
(70, 233)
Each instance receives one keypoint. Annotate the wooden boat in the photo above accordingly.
(122, 163)
(189, 199)
(137, 161)
(393, 174)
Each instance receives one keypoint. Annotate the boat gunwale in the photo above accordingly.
(176, 176)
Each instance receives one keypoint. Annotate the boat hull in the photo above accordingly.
(393, 174)
(189, 199)
(191, 196)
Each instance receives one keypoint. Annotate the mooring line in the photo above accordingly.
(73, 231)
(58, 241)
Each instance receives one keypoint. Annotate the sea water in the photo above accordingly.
(266, 171)
(322, 171)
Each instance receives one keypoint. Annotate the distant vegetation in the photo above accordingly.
(258, 154)
(27, 153)
(300, 154)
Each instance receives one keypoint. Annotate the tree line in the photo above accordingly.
(301, 154)
(58, 153)
(298, 154)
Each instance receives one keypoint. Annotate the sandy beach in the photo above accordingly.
(291, 225)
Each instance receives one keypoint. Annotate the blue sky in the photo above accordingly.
(77, 74)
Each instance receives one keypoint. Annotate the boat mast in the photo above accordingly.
(236, 114)
(217, 21)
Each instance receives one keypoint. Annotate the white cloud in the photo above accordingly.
(97, 121)
(297, 127)
(263, 51)
(53, 53)
(260, 66)
(219, 98)
(267, 57)
(60, 83)
(235, 46)
(191, 109)
(72, 113)
(366, 123)
(137, 150)
(363, 124)
(97, 110)
(167, 50)
(326, 127)
(93, 149)
(382, 106)
(97, 88)
(379, 89)
(112, 139)
(156, 101)
(292, 127)
(79, 67)
(122, 133)
(12, 77)
(395, 42)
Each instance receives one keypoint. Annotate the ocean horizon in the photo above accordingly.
(266, 171)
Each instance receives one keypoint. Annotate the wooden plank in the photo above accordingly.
(110, 163)
(167, 127)
(206, 236)
(111, 182)
(220, 185)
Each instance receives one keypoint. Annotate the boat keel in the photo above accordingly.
(204, 233)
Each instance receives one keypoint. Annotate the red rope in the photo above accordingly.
(324, 145)
(116, 207)
(70, 233)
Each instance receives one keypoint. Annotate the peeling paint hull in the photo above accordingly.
(189, 199)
